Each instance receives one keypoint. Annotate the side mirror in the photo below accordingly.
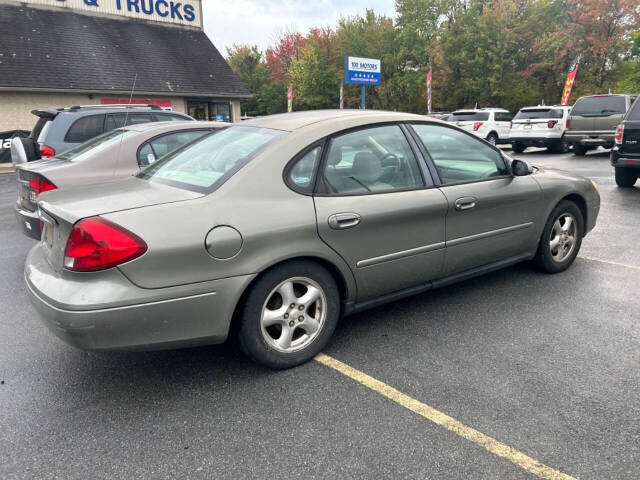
(520, 168)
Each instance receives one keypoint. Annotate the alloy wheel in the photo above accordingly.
(562, 240)
(293, 314)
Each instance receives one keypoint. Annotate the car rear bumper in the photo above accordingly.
(536, 141)
(28, 221)
(625, 159)
(151, 319)
(590, 139)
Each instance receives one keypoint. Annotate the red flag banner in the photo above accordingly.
(571, 78)
(429, 77)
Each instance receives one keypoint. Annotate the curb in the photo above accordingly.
(6, 168)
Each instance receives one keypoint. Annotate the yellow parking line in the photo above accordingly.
(610, 262)
(442, 419)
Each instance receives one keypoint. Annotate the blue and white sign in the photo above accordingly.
(363, 71)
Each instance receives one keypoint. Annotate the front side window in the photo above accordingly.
(85, 129)
(160, 146)
(208, 162)
(95, 146)
(375, 159)
(459, 157)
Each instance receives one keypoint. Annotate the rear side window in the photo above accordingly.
(117, 120)
(160, 146)
(465, 116)
(538, 113)
(634, 111)
(162, 117)
(599, 106)
(302, 174)
(85, 129)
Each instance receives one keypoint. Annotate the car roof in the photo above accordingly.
(538, 107)
(296, 120)
(175, 125)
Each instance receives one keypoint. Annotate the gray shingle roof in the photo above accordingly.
(65, 50)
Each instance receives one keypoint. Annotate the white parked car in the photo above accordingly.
(492, 124)
(541, 126)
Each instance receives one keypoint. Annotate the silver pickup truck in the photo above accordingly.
(594, 119)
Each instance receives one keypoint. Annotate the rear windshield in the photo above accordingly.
(95, 146)
(634, 111)
(599, 106)
(530, 114)
(42, 121)
(205, 164)
(468, 116)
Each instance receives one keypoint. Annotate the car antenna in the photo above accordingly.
(126, 116)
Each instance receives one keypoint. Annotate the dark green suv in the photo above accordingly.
(594, 119)
(625, 155)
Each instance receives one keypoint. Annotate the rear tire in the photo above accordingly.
(561, 238)
(579, 150)
(625, 178)
(518, 147)
(562, 147)
(492, 138)
(283, 330)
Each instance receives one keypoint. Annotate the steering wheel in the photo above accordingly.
(391, 165)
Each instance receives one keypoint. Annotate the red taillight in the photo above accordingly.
(477, 125)
(619, 134)
(47, 152)
(38, 185)
(97, 244)
(552, 123)
(568, 124)
(510, 125)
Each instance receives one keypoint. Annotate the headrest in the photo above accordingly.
(366, 167)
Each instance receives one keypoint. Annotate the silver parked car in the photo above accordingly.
(116, 154)
(273, 229)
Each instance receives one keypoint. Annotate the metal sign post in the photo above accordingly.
(362, 71)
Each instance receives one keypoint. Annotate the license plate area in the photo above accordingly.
(528, 127)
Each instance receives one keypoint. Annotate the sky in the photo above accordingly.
(261, 22)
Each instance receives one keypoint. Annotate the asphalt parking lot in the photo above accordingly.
(546, 366)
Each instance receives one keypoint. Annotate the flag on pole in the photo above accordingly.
(341, 94)
(290, 99)
(571, 77)
(429, 77)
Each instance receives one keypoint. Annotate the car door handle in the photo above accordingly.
(465, 203)
(342, 221)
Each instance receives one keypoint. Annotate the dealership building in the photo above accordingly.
(57, 53)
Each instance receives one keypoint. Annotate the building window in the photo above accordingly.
(214, 111)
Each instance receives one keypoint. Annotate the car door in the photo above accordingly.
(378, 209)
(492, 215)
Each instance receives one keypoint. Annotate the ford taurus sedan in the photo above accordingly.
(113, 155)
(273, 229)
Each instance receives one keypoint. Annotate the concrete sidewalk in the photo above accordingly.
(6, 168)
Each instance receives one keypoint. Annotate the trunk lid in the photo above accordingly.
(73, 204)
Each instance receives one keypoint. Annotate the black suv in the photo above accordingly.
(58, 130)
(625, 155)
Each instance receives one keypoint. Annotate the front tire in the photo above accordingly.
(625, 178)
(289, 314)
(561, 238)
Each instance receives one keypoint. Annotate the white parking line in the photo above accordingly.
(610, 262)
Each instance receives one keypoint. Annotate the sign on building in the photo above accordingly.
(180, 12)
(363, 71)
